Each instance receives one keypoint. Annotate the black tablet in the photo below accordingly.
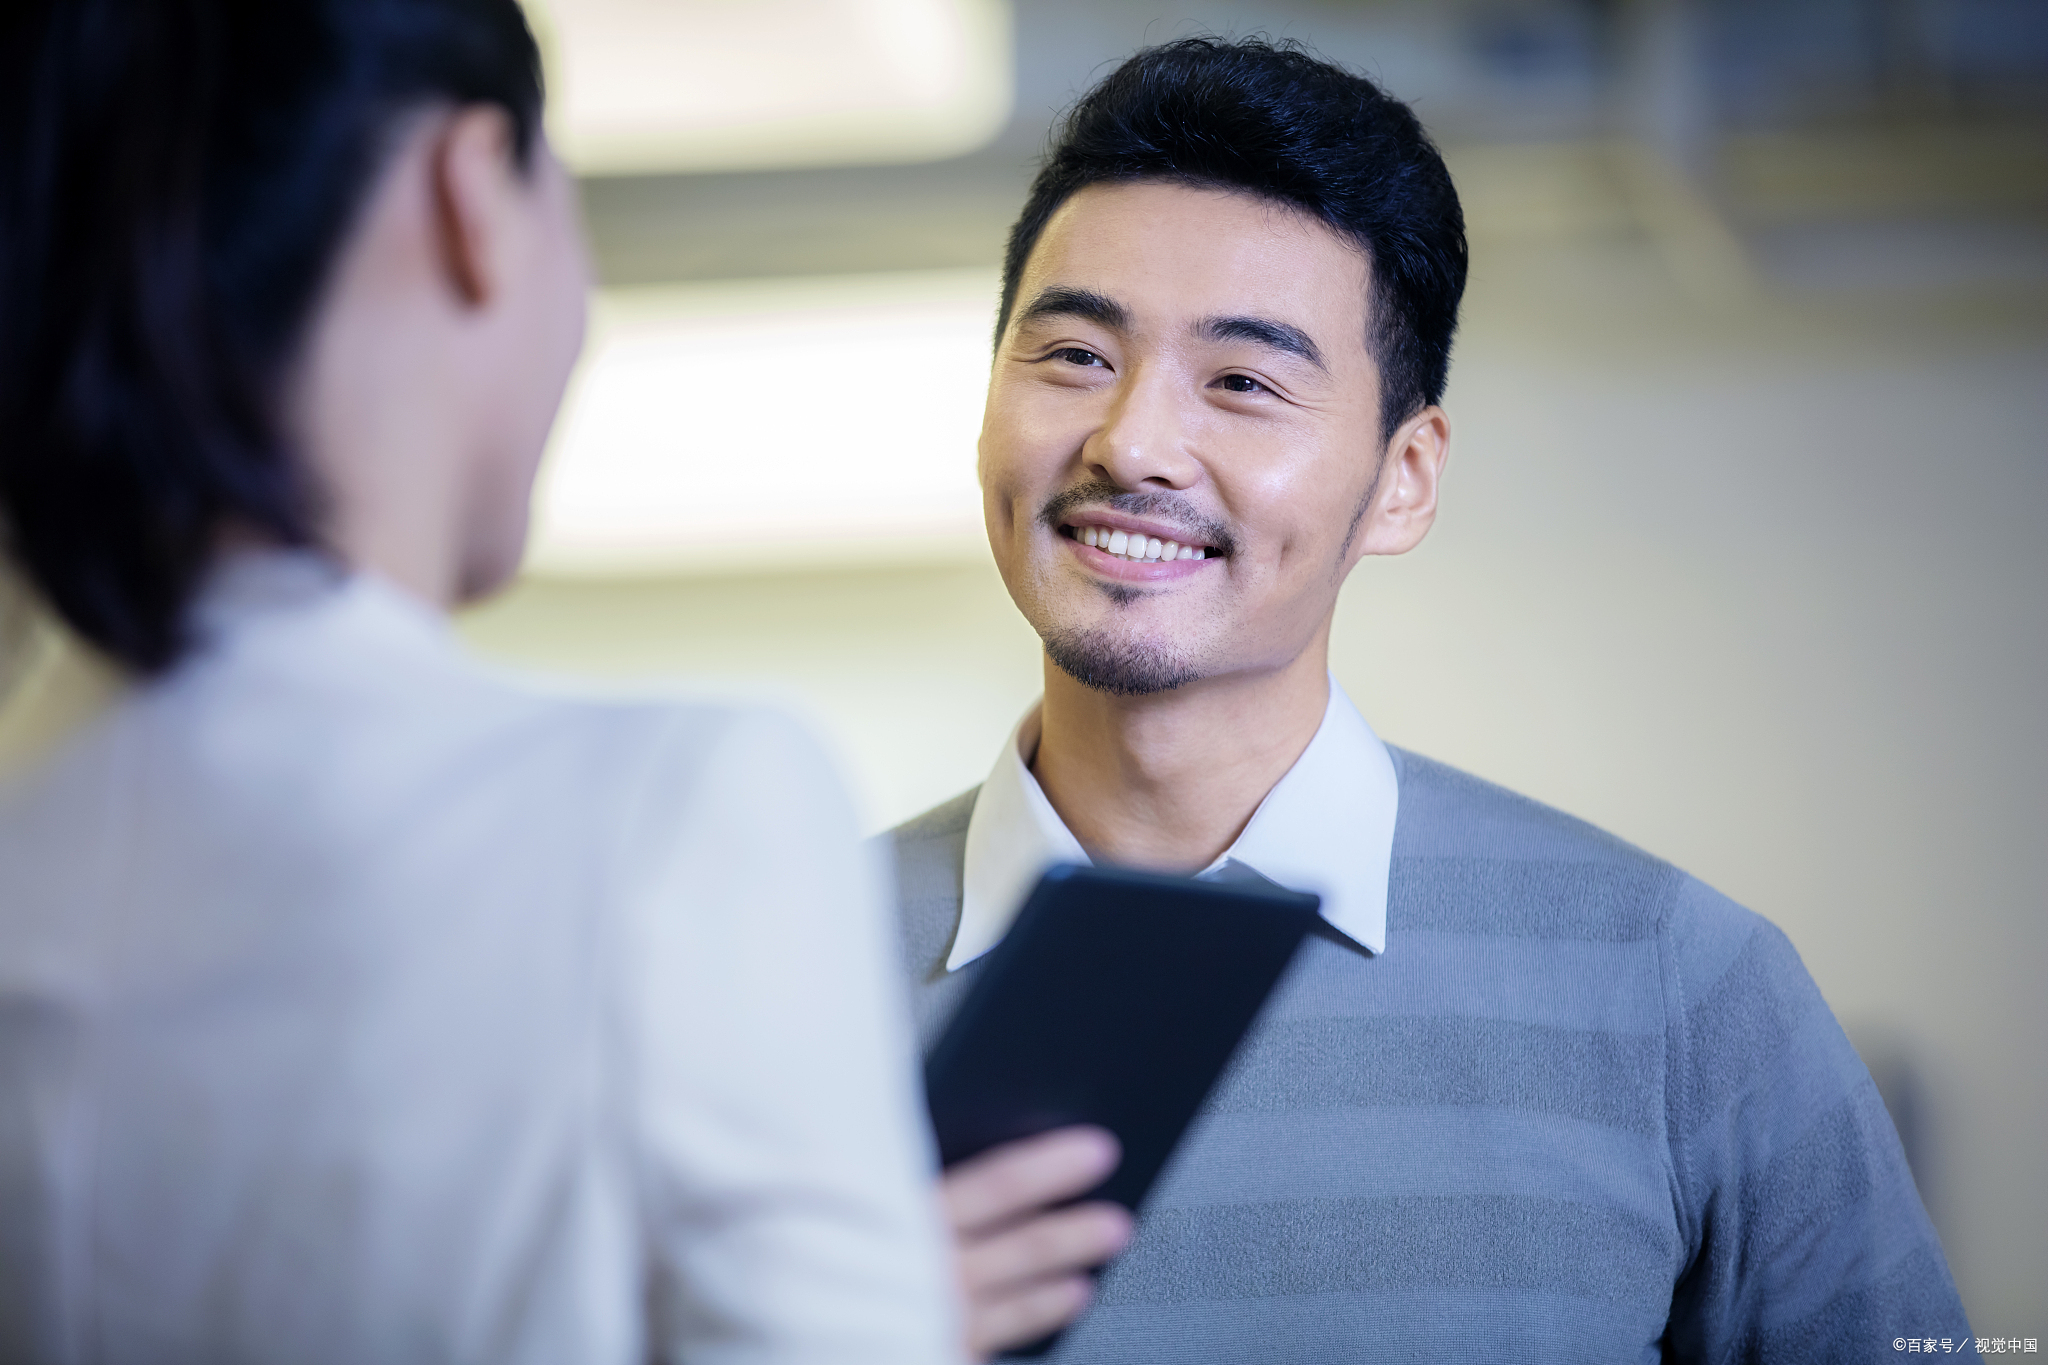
(1117, 999)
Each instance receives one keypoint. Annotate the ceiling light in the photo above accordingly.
(657, 86)
(744, 425)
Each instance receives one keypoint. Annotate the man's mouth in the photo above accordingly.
(1135, 546)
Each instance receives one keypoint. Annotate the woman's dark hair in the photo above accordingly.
(1274, 121)
(176, 178)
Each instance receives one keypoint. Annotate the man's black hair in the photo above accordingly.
(1270, 119)
(176, 177)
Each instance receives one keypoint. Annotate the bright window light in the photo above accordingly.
(743, 425)
(644, 86)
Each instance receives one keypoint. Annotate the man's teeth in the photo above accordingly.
(1136, 548)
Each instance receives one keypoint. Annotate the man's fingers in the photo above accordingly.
(1017, 1261)
(1020, 1178)
(1053, 1244)
(1023, 1317)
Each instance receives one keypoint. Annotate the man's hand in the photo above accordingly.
(1022, 1268)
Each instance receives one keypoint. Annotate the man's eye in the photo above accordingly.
(1241, 383)
(1074, 355)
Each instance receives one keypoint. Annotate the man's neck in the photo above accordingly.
(1169, 781)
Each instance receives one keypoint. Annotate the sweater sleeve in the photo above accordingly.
(1807, 1238)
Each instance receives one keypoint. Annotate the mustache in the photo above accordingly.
(1202, 530)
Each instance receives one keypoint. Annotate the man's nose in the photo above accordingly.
(1144, 441)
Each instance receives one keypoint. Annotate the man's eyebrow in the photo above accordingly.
(1060, 301)
(1265, 332)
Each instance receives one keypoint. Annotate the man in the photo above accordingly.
(1533, 1094)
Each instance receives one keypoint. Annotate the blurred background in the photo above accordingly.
(1742, 551)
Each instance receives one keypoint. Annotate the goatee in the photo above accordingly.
(1118, 665)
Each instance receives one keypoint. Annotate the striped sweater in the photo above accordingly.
(1581, 1109)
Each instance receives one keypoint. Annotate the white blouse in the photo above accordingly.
(358, 1004)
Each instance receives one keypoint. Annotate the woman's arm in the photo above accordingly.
(786, 1174)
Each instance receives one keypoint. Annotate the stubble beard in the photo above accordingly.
(1111, 661)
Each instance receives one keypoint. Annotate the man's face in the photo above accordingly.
(1185, 367)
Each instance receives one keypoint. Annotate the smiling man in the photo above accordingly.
(1532, 1094)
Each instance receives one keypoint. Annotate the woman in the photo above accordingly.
(355, 1003)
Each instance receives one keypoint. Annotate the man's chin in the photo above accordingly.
(1119, 667)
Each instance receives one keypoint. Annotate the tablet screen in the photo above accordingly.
(1117, 998)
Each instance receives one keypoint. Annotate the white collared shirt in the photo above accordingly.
(1327, 827)
(358, 1004)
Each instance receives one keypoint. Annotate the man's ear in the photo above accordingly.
(473, 181)
(1404, 502)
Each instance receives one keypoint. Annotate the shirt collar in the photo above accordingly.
(57, 685)
(1327, 826)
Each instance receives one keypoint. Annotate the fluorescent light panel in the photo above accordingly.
(745, 425)
(647, 86)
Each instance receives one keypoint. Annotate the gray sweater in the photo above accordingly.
(1582, 1109)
